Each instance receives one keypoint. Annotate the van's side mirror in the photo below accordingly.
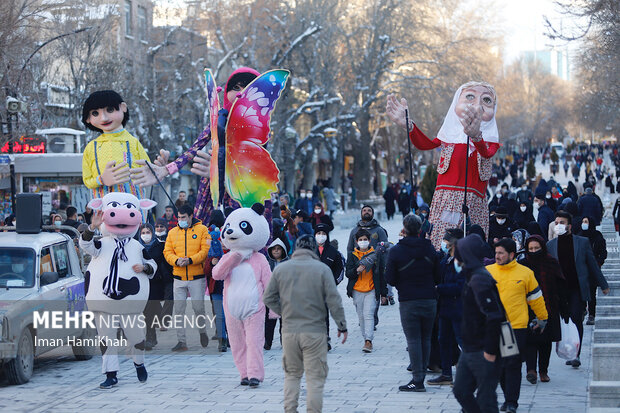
(49, 278)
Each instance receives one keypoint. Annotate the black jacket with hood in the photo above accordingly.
(330, 255)
(413, 268)
(482, 309)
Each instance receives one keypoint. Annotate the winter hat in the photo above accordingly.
(161, 221)
(501, 212)
(306, 242)
(102, 99)
(243, 75)
(217, 218)
(322, 227)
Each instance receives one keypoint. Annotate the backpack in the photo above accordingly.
(344, 265)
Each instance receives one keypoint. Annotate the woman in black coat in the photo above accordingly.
(390, 196)
(599, 247)
(523, 216)
(551, 281)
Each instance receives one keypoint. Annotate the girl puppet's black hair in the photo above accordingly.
(242, 78)
(101, 100)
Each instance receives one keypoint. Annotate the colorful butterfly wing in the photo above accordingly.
(214, 106)
(251, 173)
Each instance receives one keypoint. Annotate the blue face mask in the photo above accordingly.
(444, 247)
(183, 224)
(458, 268)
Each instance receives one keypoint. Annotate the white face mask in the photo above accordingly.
(585, 226)
(57, 223)
(536, 205)
(18, 268)
(524, 187)
(146, 238)
(317, 210)
(523, 208)
(501, 221)
(320, 238)
(363, 244)
(499, 195)
(560, 229)
(548, 196)
(160, 233)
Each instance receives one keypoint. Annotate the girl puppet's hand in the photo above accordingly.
(162, 158)
(471, 122)
(396, 110)
(115, 174)
(144, 177)
(202, 164)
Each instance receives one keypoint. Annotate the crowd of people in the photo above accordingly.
(538, 265)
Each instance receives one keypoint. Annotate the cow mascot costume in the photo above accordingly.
(246, 273)
(117, 279)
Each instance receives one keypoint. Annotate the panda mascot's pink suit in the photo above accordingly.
(117, 279)
(246, 273)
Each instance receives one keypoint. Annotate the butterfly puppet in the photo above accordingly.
(251, 174)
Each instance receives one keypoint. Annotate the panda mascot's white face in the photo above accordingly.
(246, 230)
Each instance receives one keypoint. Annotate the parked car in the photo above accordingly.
(38, 272)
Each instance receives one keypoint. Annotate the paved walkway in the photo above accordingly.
(209, 382)
(357, 382)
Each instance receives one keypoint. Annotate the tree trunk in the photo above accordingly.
(361, 166)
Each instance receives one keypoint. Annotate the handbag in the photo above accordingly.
(507, 341)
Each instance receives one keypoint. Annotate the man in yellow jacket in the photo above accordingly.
(518, 289)
(186, 249)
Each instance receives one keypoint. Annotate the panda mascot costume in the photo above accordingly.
(245, 273)
(117, 279)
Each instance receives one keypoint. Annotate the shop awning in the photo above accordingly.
(48, 164)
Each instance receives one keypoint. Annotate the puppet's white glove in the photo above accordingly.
(144, 177)
(201, 165)
(115, 174)
(396, 111)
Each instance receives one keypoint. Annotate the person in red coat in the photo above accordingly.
(472, 113)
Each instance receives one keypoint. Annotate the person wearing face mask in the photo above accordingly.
(599, 248)
(523, 215)
(57, 222)
(366, 284)
(553, 286)
(499, 226)
(152, 310)
(590, 206)
(304, 202)
(427, 228)
(276, 255)
(390, 196)
(330, 256)
(186, 249)
(319, 217)
(478, 367)
(545, 214)
(377, 232)
(164, 270)
(525, 195)
(579, 267)
(450, 307)
(413, 268)
(518, 290)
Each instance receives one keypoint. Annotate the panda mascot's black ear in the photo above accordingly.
(227, 211)
(258, 208)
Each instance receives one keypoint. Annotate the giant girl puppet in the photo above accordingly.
(471, 114)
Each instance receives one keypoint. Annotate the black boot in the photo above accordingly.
(141, 372)
(110, 380)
